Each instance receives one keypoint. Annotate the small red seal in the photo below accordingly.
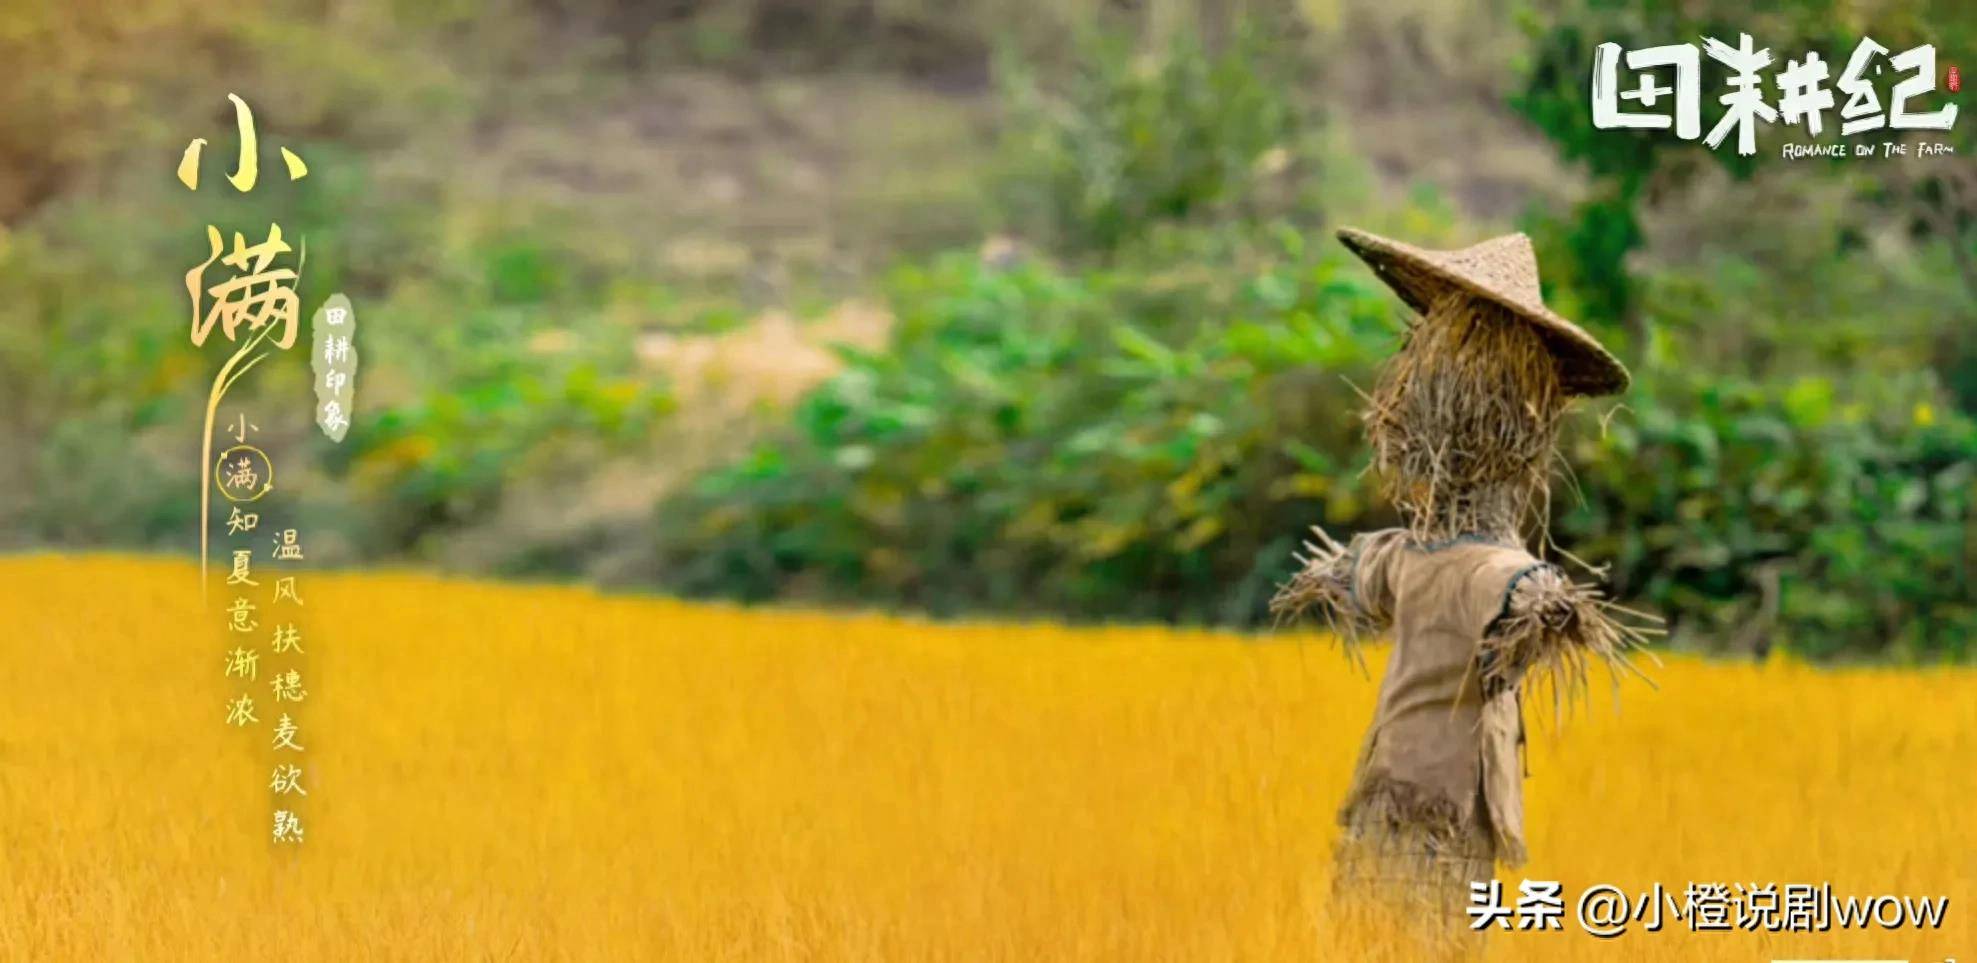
(1955, 81)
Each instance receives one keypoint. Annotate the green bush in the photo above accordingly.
(1131, 441)
(1125, 141)
(1759, 513)
(1146, 440)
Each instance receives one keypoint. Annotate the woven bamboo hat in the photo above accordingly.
(1504, 270)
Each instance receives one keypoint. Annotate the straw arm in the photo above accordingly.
(1555, 628)
(1328, 584)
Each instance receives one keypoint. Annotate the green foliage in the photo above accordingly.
(1145, 440)
(443, 459)
(1135, 440)
(1146, 437)
(1128, 140)
(1129, 440)
(1757, 513)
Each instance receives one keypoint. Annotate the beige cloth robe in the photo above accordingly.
(1439, 747)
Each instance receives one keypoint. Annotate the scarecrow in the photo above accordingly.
(1463, 422)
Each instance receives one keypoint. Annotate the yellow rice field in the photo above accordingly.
(499, 772)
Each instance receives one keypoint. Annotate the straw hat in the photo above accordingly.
(1503, 270)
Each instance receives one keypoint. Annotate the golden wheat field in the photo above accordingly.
(501, 772)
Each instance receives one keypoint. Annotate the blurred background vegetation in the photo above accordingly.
(983, 305)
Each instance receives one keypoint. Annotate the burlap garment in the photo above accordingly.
(1436, 798)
